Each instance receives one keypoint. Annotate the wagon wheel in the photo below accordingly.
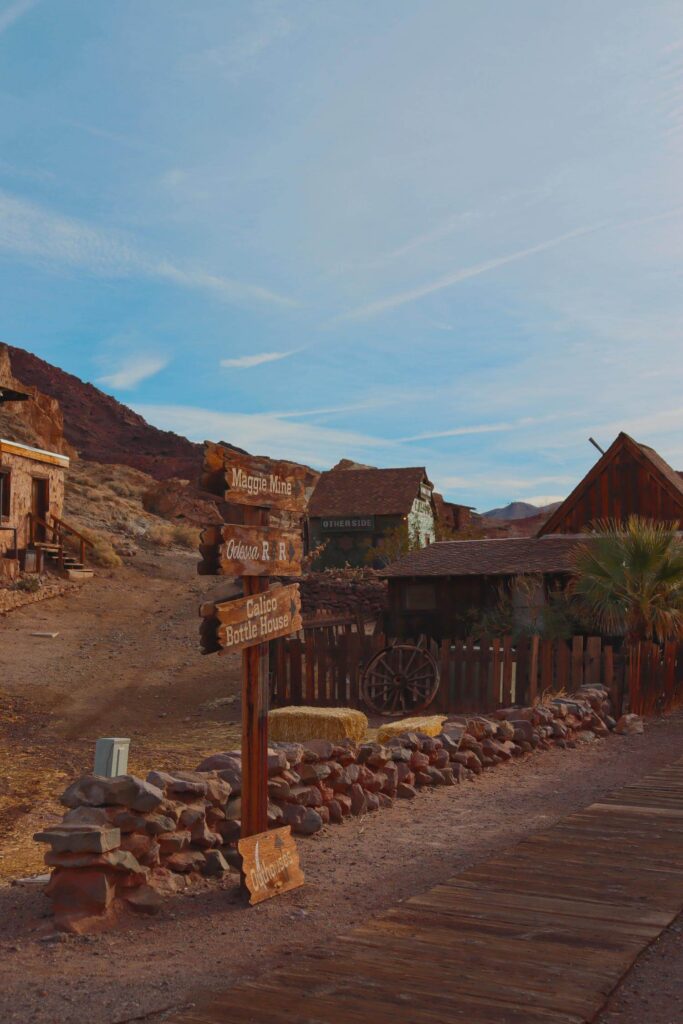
(400, 679)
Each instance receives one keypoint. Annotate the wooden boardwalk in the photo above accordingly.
(540, 934)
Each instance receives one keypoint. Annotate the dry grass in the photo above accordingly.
(546, 698)
(430, 725)
(100, 553)
(168, 535)
(294, 725)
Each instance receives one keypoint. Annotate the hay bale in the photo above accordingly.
(430, 726)
(294, 725)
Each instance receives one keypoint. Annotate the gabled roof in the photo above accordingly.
(670, 481)
(367, 492)
(510, 556)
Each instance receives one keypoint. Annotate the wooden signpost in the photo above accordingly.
(254, 480)
(270, 864)
(254, 620)
(233, 550)
(255, 550)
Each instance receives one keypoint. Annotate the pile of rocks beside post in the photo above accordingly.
(126, 842)
(356, 593)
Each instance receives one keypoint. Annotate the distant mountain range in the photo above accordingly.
(521, 510)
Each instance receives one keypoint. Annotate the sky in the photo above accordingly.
(443, 233)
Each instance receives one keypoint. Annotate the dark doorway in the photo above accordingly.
(40, 505)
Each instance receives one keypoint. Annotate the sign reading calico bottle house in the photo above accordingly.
(254, 550)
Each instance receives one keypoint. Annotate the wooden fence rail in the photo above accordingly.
(323, 665)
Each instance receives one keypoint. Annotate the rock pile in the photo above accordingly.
(125, 841)
(130, 842)
(343, 592)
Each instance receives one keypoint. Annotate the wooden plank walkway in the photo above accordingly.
(540, 934)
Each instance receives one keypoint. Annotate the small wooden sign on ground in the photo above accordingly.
(270, 864)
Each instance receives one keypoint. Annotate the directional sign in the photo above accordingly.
(254, 620)
(254, 480)
(270, 864)
(251, 551)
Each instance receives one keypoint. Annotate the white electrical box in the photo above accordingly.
(111, 756)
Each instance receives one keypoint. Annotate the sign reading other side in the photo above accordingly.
(253, 620)
(270, 862)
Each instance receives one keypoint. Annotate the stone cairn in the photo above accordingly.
(130, 843)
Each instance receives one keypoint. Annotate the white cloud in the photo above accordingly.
(245, 362)
(481, 428)
(239, 56)
(133, 371)
(448, 280)
(39, 234)
(263, 434)
(15, 11)
(542, 499)
(502, 485)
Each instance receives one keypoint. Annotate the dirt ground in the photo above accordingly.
(126, 662)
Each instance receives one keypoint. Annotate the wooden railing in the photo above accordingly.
(323, 666)
(57, 530)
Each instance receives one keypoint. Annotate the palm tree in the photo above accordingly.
(629, 576)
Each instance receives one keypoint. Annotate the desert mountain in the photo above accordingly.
(521, 510)
(102, 429)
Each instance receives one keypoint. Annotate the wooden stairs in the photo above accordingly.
(53, 556)
(47, 539)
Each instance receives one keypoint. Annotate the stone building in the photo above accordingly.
(31, 492)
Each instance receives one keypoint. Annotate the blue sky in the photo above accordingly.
(438, 233)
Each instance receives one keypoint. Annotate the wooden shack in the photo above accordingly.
(435, 591)
(438, 590)
(353, 510)
(629, 479)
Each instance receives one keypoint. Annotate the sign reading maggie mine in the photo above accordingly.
(270, 863)
(254, 479)
(253, 620)
(232, 550)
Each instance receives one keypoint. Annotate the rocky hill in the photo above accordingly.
(102, 429)
(521, 510)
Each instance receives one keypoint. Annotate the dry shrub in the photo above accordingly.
(166, 535)
(186, 536)
(99, 552)
(160, 535)
(102, 553)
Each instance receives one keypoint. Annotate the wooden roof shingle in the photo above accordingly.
(509, 556)
(366, 492)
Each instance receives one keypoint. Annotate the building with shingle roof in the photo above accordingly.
(353, 510)
(434, 590)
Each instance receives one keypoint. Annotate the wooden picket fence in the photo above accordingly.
(655, 678)
(323, 665)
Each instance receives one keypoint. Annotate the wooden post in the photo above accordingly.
(255, 664)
